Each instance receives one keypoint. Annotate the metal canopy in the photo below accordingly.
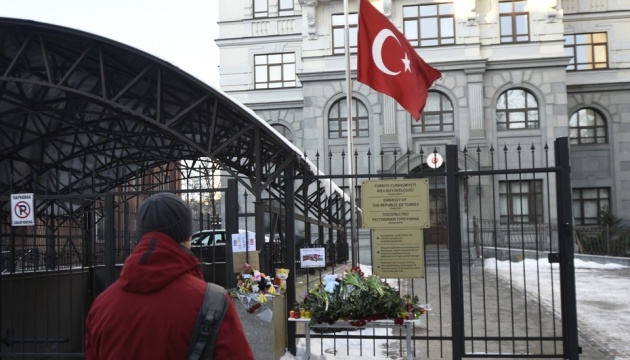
(83, 114)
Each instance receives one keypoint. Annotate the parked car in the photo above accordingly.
(209, 245)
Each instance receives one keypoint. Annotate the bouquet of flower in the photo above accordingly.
(357, 298)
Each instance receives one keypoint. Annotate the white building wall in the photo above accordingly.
(476, 70)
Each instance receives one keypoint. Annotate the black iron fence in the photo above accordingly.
(50, 275)
(480, 201)
(541, 237)
(603, 240)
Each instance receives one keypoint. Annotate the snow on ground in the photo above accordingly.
(602, 293)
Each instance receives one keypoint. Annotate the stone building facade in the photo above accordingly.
(516, 72)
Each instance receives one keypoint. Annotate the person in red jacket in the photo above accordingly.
(150, 311)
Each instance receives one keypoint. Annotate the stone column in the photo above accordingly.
(389, 115)
(475, 104)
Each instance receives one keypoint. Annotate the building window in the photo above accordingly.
(274, 71)
(588, 204)
(587, 51)
(338, 33)
(338, 119)
(285, 8)
(436, 116)
(517, 109)
(514, 20)
(260, 8)
(429, 25)
(520, 201)
(587, 126)
(284, 131)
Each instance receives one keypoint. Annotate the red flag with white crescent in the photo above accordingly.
(389, 64)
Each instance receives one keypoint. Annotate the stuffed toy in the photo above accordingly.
(330, 283)
(281, 276)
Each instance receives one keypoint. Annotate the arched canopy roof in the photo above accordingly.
(82, 113)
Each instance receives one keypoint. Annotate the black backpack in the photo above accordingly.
(208, 323)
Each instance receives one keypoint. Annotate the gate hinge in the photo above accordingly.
(553, 258)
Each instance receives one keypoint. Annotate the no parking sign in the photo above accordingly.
(22, 210)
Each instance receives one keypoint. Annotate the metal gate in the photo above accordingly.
(52, 271)
(499, 257)
(498, 219)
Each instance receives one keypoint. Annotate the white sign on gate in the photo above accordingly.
(22, 210)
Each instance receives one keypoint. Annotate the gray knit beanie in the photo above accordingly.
(165, 213)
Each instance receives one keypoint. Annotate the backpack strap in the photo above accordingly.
(208, 323)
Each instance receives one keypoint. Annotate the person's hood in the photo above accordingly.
(155, 262)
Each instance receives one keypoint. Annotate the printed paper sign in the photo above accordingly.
(244, 250)
(313, 257)
(242, 242)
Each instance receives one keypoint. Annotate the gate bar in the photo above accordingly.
(109, 251)
(231, 227)
(567, 255)
(455, 251)
(289, 227)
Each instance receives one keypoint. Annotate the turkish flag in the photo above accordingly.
(388, 63)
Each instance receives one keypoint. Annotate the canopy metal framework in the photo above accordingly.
(84, 114)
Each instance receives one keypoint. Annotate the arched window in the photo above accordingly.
(338, 119)
(587, 126)
(437, 115)
(517, 109)
(284, 131)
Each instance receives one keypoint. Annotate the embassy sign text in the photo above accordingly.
(395, 203)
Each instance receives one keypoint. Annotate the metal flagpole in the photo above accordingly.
(353, 231)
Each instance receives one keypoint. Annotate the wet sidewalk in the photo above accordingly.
(519, 305)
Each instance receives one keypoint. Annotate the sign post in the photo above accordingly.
(394, 204)
(397, 211)
(22, 210)
(398, 253)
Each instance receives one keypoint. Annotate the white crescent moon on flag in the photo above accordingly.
(377, 50)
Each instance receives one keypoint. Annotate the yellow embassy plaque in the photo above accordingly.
(393, 204)
(398, 253)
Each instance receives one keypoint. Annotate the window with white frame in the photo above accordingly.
(286, 8)
(274, 71)
(517, 109)
(587, 51)
(520, 201)
(514, 20)
(260, 8)
(429, 25)
(437, 115)
(587, 126)
(339, 31)
(588, 204)
(338, 119)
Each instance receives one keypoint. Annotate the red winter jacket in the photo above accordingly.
(150, 311)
